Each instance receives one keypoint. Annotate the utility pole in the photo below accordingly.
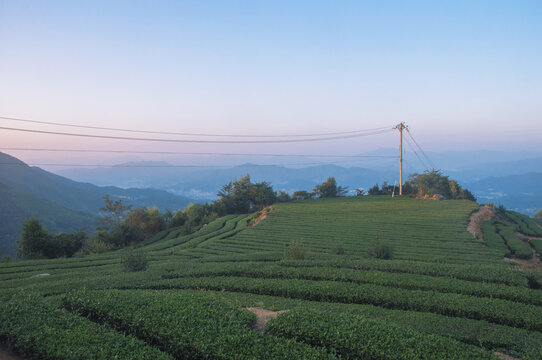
(401, 126)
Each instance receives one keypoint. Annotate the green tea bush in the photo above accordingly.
(37, 330)
(188, 326)
(497, 311)
(135, 260)
(296, 250)
(338, 250)
(354, 337)
(97, 246)
(381, 251)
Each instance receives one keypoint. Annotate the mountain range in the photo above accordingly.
(59, 203)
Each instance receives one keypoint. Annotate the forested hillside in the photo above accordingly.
(59, 203)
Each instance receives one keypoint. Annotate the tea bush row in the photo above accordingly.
(355, 337)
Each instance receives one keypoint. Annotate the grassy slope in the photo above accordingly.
(442, 280)
(16, 207)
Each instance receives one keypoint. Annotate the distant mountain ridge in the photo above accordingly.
(59, 203)
(77, 195)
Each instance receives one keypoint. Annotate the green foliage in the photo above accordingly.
(241, 196)
(338, 250)
(36, 242)
(377, 275)
(33, 240)
(380, 250)
(301, 195)
(442, 281)
(328, 189)
(524, 224)
(538, 215)
(354, 337)
(64, 245)
(283, 196)
(147, 221)
(178, 219)
(114, 213)
(497, 311)
(38, 330)
(518, 248)
(135, 260)
(97, 246)
(188, 326)
(296, 250)
(432, 183)
(537, 244)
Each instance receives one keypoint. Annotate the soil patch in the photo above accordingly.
(477, 218)
(6, 354)
(504, 356)
(535, 263)
(262, 216)
(263, 316)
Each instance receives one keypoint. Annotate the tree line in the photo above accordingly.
(430, 183)
(122, 226)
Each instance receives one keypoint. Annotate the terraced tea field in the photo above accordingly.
(444, 295)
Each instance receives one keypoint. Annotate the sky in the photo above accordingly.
(463, 75)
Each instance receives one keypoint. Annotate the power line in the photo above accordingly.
(199, 141)
(175, 166)
(189, 134)
(197, 153)
(416, 153)
(421, 150)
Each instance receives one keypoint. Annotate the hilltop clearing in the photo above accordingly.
(443, 293)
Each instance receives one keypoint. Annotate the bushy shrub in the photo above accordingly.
(97, 246)
(380, 250)
(135, 260)
(338, 250)
(296, 250)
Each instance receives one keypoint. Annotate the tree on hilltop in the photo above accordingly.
(329, 188)
(33, 240)
(432, 183)
(114, 213)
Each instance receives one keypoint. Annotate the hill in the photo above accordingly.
(204, 183)
(522, 193)
(76, 195)
(444, 294)
(16, 207)
(59, 203)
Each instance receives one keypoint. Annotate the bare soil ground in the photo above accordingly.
(8, 355)
(262, 216)
(533, 264)
(504, 356)
(263, 316)
(477, 218)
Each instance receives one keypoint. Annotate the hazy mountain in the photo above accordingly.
(209, 181)
(76, 195)
(522, 193)
(470, 168)
(205, 182)
(59, 203)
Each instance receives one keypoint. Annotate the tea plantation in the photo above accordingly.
(438, 293)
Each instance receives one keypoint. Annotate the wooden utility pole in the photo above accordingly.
(401, 126)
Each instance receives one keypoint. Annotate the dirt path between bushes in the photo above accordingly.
(504, 356)
(477, 218)
(6, 354)
(535, 263)
(262, 216)
(263, 316)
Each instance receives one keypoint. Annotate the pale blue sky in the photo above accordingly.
(462, 74)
